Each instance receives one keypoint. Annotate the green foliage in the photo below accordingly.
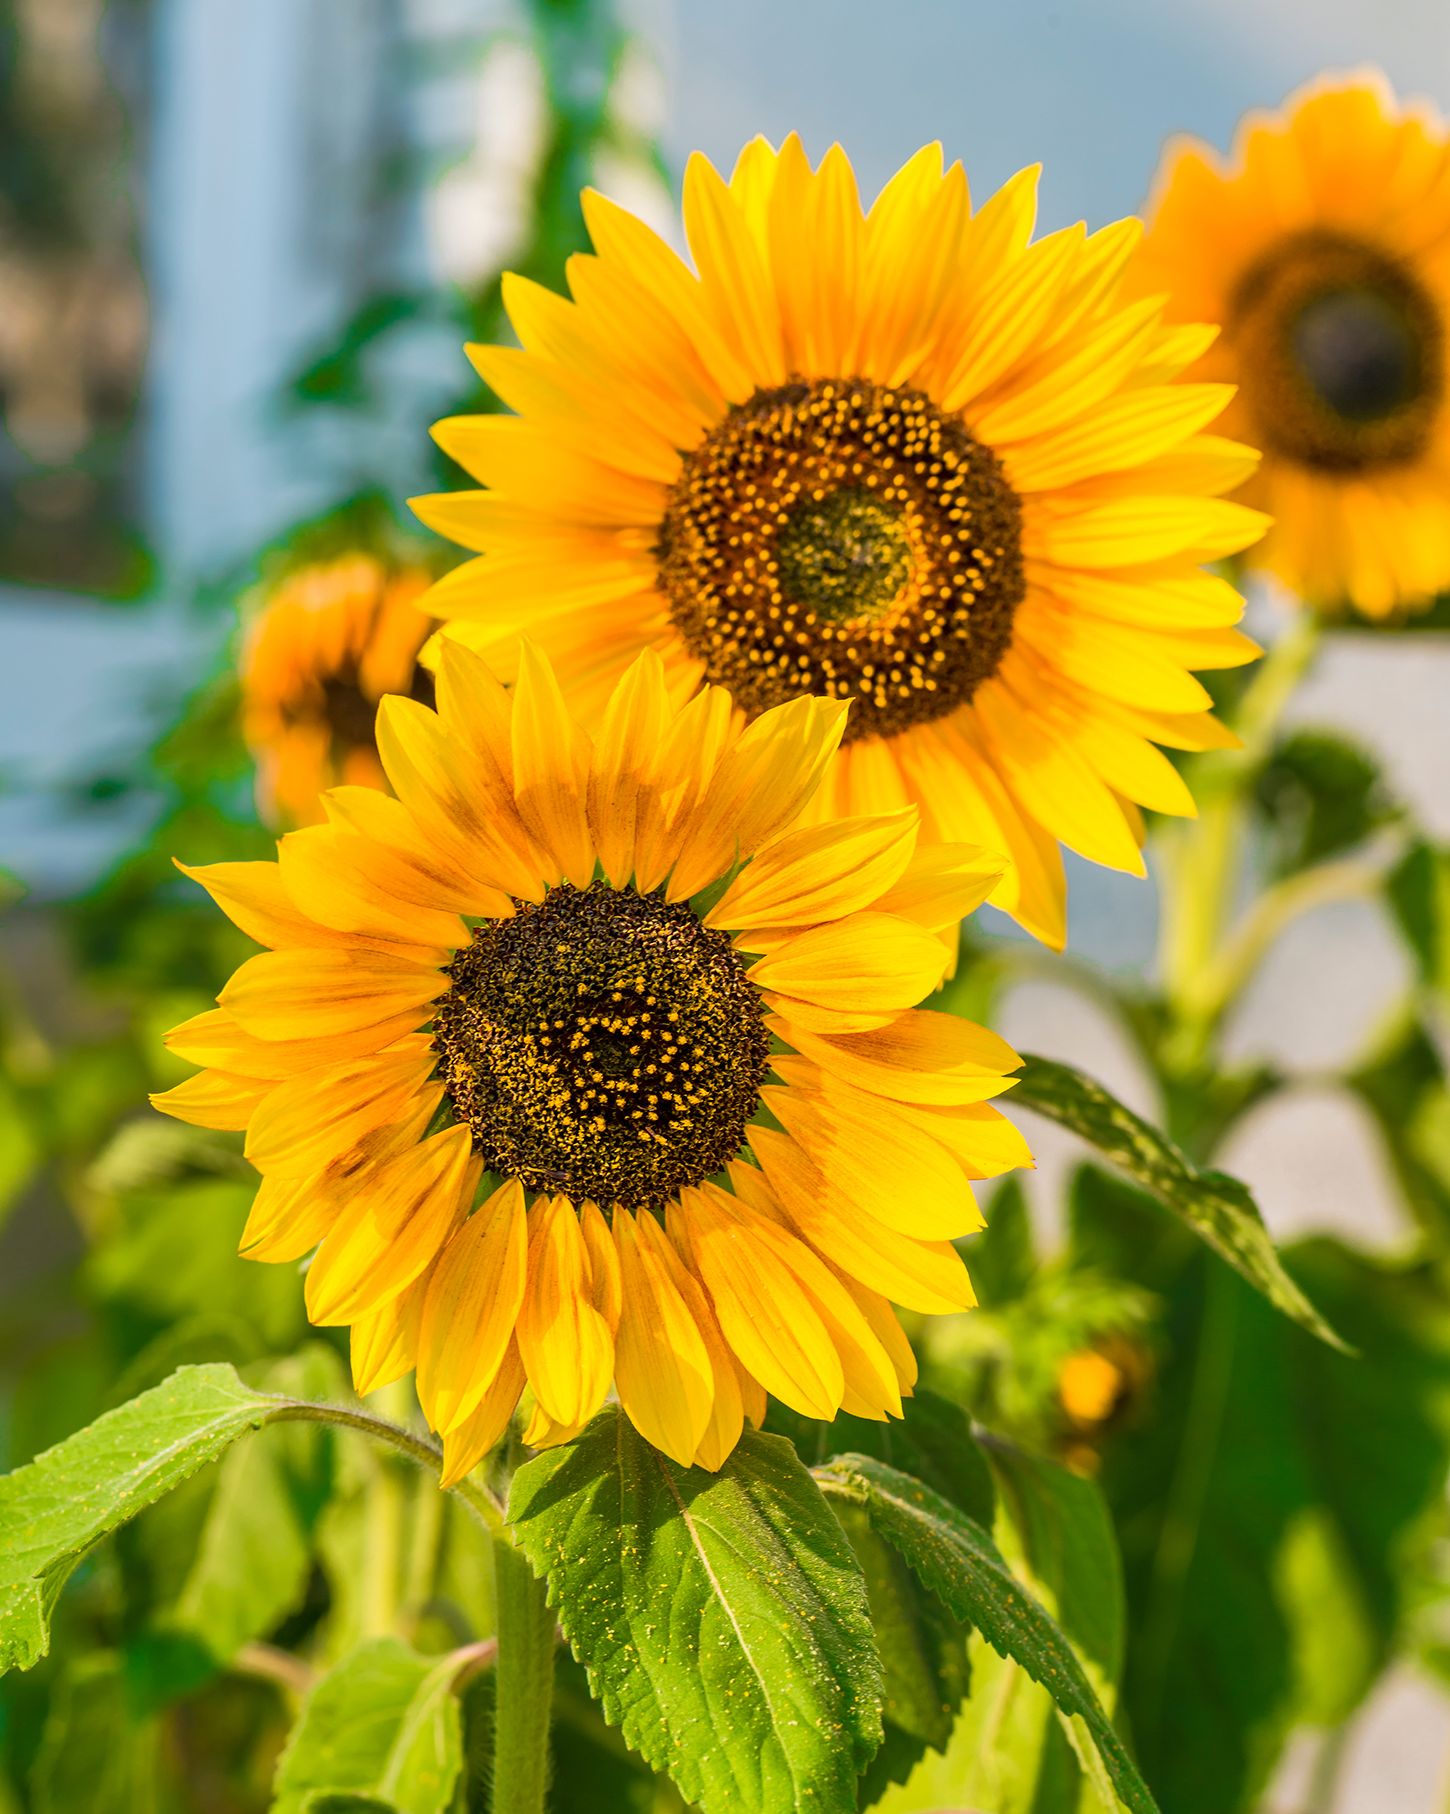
(1321, 796)
(722, 1617)
(1275, 1499)
(380, 1730)
(1219, 1209)
(1009, 1749)
(961, 1564)
(54, 1510)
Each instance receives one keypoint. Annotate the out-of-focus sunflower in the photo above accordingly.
(903, 458)
(1323, 246)
(584, 1061)
(326, 643)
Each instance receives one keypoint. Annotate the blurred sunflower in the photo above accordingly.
(667, 1033)
(1323, 246)
(326, 643)
(903, 458)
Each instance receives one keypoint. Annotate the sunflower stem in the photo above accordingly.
(1206, 857)
(525, 1671)
(422, 1449)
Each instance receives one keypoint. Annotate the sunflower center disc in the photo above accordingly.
(840, 537)
(602, 1045)
(1342, 354)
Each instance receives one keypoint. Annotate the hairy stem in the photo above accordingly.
(421, 1449)
(525, 1686)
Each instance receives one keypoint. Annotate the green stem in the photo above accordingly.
(422, 1449)
(525, 1686)
(1203, 859)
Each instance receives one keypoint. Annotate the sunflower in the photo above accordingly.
(585, 1060)
(1323, 246)
(906, 459)
(327, 643)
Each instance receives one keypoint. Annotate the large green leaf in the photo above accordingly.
(1219, 1209)
(1007, 1750)
(959, 1561)
(922, 1646)
(54, 1509)
(722, 1617)
(933, 1440)
(381, 1730)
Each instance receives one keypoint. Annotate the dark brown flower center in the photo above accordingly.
(1341, 351)
(841, 537)
(604, 1045)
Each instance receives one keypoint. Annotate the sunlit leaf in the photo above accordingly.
(1219, 1209)
(959, 1562)
(381, 1730)
(54, 1509)
(722, 1617)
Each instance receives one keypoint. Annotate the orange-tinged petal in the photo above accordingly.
(255, 899)
(758, 790)
(347, 1114)
(288, 1217)
(662, 1367)
(339, 994)
(551, 770)
(854, 974)
(214, 1099)
(819, 872)
(923, 1056)
(624, 775)
(472, 1308)
(565, 1343)
(395, 1220)
(942, 884)
(875, 1158)
(383, 1344)
(466, 1444)
(922, 1275)
(765, 1316)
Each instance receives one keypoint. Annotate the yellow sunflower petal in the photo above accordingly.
(923, 1056)
(662, 1367)
(394, 1221)
(854, 974)
(466, 1444)
(819, 872)
(214, 1099)
(288, 1217)
(764, 1314)
(472, 1308)
(564, 1342)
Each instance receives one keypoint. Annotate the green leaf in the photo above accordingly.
(379, 1730)
(1007, 1750)
(96, 1756)
(958, 1560)
(1418, 891)
(922, 1647)
(1065, 1531)
(1004, 1254)
(54, 1509)
(1322, 795)
(932, 1440)
(923, 1651)
(722, 1618)
(1219, 1209)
